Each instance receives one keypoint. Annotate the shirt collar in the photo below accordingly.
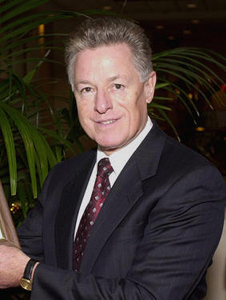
(119, 158)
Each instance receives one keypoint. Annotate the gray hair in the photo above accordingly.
(105, 31)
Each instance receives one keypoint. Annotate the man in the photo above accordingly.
(160, 223)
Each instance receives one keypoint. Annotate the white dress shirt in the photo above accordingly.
(118, 160)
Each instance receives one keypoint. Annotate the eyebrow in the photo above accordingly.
(113, 78)
(110, 79)
(82, 82)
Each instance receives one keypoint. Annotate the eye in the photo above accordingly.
(118, 86)
(86, 90)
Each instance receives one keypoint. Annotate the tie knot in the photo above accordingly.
(104, 167)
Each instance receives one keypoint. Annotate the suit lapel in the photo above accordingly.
(67, 213)
(114, 210)
(126, 191)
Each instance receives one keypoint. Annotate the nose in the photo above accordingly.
(103, 102)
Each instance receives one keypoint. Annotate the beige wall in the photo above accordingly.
(216, 276)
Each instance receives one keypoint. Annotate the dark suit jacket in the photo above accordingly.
(153, 239)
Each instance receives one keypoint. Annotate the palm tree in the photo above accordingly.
(26, 154)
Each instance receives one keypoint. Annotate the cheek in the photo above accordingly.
(138, 113)
(80, 113)
(83, 119)
(83, 111)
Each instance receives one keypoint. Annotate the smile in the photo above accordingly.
(108, 122)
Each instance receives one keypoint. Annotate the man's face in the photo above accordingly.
(111, 99)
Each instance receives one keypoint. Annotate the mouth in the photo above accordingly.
(108, 122)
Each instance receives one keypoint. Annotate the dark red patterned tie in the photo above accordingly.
(99, 194)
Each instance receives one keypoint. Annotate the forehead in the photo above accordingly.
(101, 52)
(105, 60)
(114, 46)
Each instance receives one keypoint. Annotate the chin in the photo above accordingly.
(109, 148)
(111, 142)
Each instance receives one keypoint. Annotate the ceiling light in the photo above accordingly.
(195, 21)
(187, 31)
(200, 129)
(160, 27)
(191, 5)
(171, 37)
(107, 8)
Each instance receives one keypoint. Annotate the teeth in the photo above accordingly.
(108, 122)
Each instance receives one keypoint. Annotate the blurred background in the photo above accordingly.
(170, 24)
(38, 117)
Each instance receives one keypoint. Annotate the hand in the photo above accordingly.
(12, 264)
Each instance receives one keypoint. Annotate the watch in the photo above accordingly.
(26, 280)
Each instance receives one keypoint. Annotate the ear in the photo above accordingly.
(150, 86)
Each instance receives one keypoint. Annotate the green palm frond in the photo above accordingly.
(39, 154)
(25, 142)
(10, 148)
(193, 70)
(193, 66)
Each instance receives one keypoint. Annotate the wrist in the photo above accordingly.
(27, 278)
(33, 271)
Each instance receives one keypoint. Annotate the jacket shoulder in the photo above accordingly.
(72, 165)
(66, 171)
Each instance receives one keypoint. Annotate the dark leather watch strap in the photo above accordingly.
(29, 268)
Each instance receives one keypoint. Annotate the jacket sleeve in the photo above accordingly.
(178, 243)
